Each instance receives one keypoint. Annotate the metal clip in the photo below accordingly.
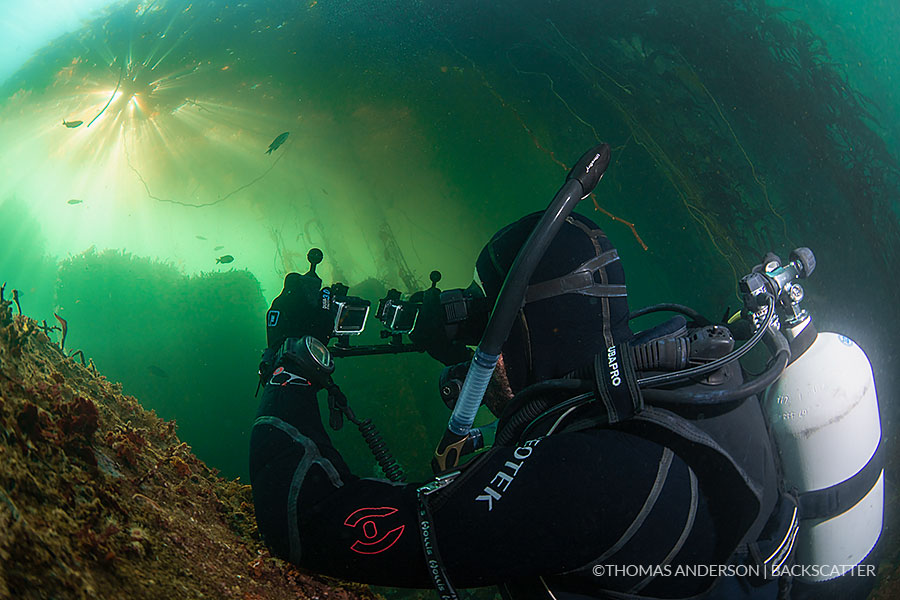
(438, 483)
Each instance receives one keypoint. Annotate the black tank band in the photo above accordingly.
(839, 498)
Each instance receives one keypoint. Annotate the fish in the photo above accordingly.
(277, 142)
(158, 372)
(74, 201)
(200, 237)
(225, 259)
(218, 248)
(72, 124)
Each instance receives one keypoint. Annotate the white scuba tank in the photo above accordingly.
(824, 416)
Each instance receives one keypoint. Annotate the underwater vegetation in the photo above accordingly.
(739, 107)
(99, 498)
(187, 346)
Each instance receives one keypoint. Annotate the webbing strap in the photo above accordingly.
(579, 281)
(433, 561)
(616, 384)
(841, 497)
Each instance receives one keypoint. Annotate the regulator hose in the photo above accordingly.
(378, 446)
(667, 378)
(671, 398)
(526, 410)
(370, 433)
(524, 407)
(669, 307)
(580, 182)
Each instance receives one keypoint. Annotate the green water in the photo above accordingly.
(417, 129)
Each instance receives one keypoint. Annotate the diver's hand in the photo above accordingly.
(431, 334)
(298, 311)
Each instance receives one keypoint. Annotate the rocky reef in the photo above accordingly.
(99, 498)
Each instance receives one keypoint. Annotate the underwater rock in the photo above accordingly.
(100, 499)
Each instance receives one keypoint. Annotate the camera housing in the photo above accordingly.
(459, 315)
(396, 315)
(350, 312)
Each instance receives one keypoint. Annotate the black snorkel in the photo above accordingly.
(580, 182)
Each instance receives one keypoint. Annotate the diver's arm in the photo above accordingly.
(547, 507)
(363, 530)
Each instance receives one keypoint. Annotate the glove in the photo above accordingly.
(298, 311)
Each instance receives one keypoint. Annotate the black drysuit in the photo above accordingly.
(553, 507)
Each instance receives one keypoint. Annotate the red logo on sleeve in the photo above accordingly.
(366, 522)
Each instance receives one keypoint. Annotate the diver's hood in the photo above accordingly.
(575, 306)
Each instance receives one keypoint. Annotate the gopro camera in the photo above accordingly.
(398, 316)
(350, 312)
(350, 316)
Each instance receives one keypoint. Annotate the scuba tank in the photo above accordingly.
(823, 414)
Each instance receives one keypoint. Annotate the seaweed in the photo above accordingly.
(128, 313)
(287, 260)
(111, 96)
(816, 106)
(99, 497)
(5, 308)
(394, 255)
(64, 329)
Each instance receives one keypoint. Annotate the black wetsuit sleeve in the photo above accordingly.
(548, 506)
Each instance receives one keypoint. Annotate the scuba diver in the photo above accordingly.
(594, 487)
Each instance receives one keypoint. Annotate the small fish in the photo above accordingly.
(200, 237)
(225, 259)
(277, 142)
(74, 201)
(72, 124)
(324, 191)
(154, 370)
(218, 248)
